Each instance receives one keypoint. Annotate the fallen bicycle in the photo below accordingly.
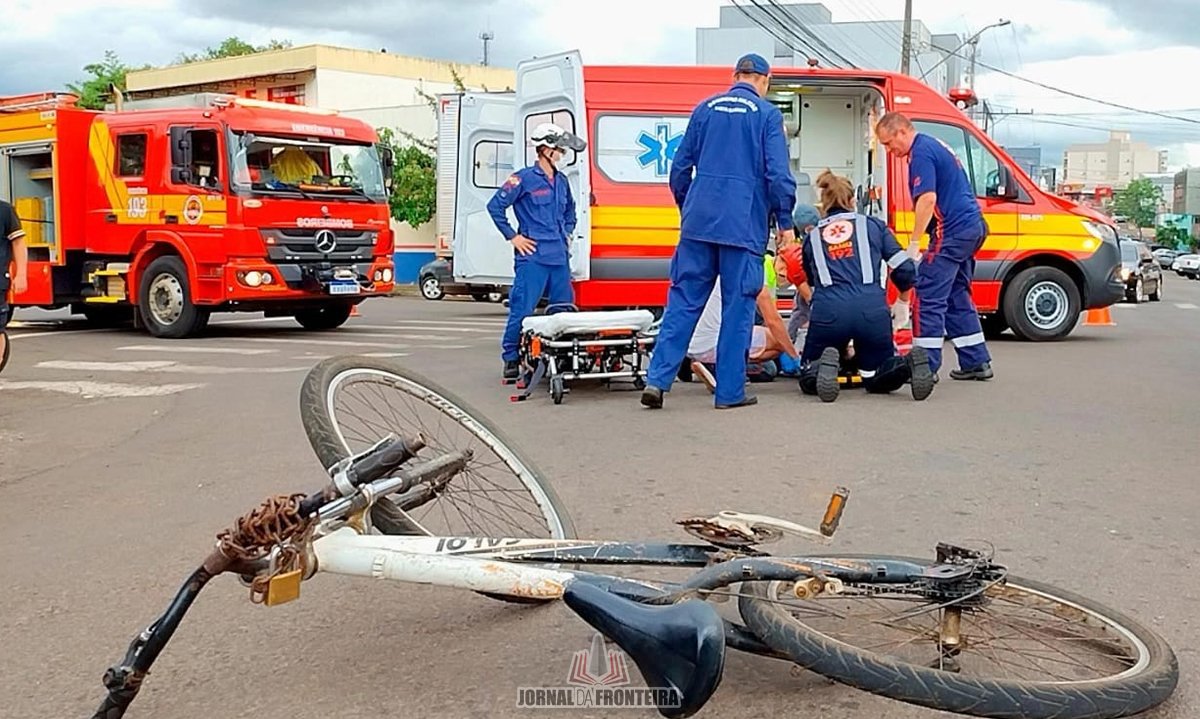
(957, 614)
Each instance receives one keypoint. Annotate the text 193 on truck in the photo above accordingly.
(213, 204)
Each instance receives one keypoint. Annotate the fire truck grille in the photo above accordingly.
(300, 244)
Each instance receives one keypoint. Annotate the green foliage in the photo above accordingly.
(1139, 202)
(232, 47)
(414, 180)
(95, 91)
(1173, 237)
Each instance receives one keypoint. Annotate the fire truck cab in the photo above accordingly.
(219, 203)
(1045, 261)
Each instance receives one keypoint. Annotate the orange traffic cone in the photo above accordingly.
(1099, 318)
(354, 310)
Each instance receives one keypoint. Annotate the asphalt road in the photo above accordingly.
(121, 456)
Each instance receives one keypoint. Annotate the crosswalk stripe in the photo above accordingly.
(1186, 306)
(385, 354)
(161, 366)
(1125, 306)
(94, 390)
(325, 343)
(478, 321)
(173, 348)
(408, 327)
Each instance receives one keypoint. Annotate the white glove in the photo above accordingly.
(914, 249)
(900, 315)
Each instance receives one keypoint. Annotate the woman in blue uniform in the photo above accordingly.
(843, 256)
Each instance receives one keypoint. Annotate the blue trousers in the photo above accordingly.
(694, 271)
(944, 305)
(531, 282)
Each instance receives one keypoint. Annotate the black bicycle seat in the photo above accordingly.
(680, 647)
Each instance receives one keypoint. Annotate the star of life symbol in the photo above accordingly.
(598, 677)
(660, 148)
(837, 232)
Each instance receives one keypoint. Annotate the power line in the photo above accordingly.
(807, 33)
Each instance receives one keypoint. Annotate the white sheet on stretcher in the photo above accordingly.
(571, 323)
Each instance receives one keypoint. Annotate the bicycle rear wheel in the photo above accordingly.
(1033, 651)
(349, 403)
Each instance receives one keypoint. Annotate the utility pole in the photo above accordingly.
(906, 42)
(486, 36)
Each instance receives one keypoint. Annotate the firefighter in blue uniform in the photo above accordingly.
(735, 145)
(946, 207)
(843, 257)
(541, 199)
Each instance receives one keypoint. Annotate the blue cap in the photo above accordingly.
(752, 63)
(805, 215)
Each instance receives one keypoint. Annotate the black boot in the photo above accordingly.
(512, 369)
(982, 373)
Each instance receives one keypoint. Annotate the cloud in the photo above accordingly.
(1169, 21)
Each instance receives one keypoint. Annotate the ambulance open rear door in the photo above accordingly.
(550, 89)
(483, 153)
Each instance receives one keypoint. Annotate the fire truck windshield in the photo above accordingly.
(281, 165)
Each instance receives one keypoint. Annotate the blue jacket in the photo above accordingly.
(933, 167)
(545, 213)
(735, 143)
(841, 262)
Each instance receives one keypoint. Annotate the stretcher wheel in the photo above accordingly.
(557, 390)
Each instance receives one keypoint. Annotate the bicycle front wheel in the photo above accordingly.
(349, 403)
(1032, 650)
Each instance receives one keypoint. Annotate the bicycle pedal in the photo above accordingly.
(283, 588)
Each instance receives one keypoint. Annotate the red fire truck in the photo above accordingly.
(219, 204)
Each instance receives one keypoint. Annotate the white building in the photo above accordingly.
(1114, 164)
(381, 88)
(868, 45)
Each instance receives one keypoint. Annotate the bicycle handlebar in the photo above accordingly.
(385, 458)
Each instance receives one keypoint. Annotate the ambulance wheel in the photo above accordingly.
(1042, 304)
(165, 300)
(324, 318)
(557, 389)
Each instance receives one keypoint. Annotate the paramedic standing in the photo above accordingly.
(541, 199)
(12, 251)
(735, 144)
(942, 192)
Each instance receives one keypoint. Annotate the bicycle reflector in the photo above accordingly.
(833, 513)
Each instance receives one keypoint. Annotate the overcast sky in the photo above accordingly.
(1142, 54)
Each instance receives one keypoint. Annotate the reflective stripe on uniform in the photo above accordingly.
(897, 259)
(968, 341)
(866, 373)
(818, 253)
(863, 241)
(929, 343)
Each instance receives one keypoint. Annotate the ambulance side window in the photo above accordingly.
(131, 155)
(491, 163)
(562, 118)
(983, 168)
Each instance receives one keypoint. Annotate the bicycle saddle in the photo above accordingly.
(680, 647)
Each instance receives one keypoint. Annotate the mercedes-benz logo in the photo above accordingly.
(326, 241)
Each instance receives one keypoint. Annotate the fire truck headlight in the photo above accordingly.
(387, 274)
(254, 278)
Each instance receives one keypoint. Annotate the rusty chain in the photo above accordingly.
(274, 523)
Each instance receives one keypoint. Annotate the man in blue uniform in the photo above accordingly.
(842, 258)
(735, 145)
(541, 199)
(12, 252)
(942, 194)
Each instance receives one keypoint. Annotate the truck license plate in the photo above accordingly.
(343, 287)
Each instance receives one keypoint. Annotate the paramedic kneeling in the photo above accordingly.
(942, 193)
(541, 199)
(735, 144)
(841, 258)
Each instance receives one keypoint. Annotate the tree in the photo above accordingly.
(95, 91)
(1139, 202)
(231, 47)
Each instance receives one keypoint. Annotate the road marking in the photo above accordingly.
(199, 350)
(1186, 306)
(235, 321)
(1125, 306)
(327, 343)
(385, 354)
(161, 366)
(95, 390)
(406, 327)
(477, 321)
(53, 333)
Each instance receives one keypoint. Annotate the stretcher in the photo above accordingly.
(566, 345)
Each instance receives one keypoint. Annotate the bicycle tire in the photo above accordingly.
(330, 447)
(1108, 698)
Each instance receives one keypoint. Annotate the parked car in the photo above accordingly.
(1165, 256)
(1141, 272)
(436, 280)
(1187, 266)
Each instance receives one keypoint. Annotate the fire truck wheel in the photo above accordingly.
(1042, 304)
(324, 318)
(165, 300)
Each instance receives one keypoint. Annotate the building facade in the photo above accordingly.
(869, 45)
(1113, 164)
(380, 88)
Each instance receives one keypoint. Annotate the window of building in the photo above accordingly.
(131, 155)
(562, 118)
(491, 163)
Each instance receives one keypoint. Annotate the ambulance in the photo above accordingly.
(1045, 261)
(211, 203)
